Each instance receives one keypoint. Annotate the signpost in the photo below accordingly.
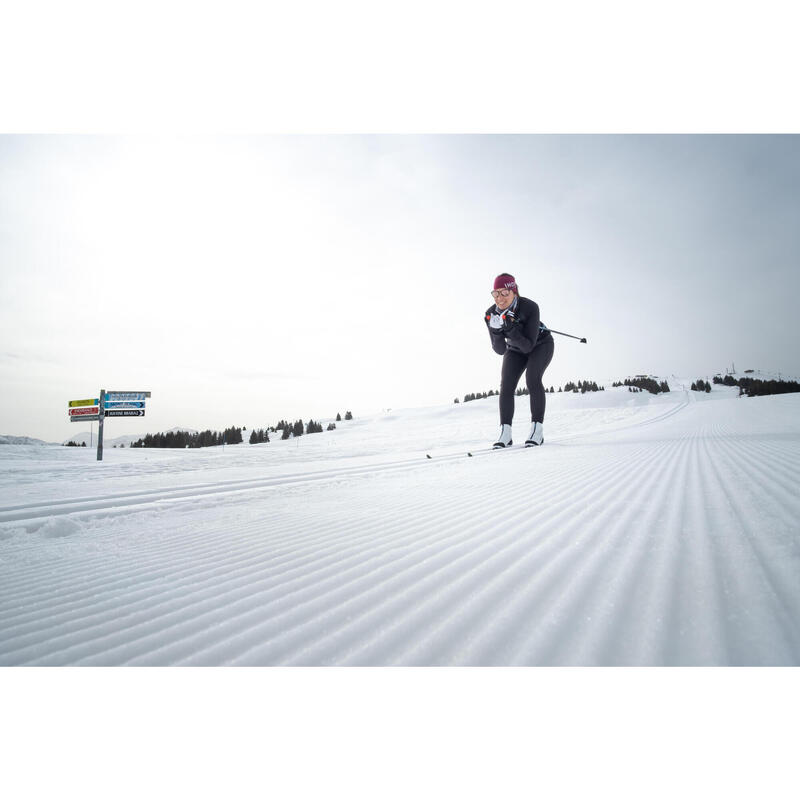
(113, 404)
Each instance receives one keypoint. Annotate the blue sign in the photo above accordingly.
(124, 404)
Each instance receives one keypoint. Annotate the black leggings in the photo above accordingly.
(514, 364)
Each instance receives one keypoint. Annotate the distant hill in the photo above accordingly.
(22, 440)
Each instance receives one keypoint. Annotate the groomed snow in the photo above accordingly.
(647, 530)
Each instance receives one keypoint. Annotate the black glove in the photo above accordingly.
(512, 325)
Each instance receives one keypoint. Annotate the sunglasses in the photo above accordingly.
(501, 293)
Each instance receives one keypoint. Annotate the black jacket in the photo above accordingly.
(522, 333)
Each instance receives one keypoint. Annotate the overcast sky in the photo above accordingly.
(242, 280)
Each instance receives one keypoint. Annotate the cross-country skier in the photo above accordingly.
(517, 334)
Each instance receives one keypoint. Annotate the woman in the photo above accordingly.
(517, 334)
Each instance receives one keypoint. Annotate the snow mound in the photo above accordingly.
(60, 528)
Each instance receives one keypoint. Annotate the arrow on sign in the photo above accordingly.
(137, 413)
(124, 404)
(76, 403)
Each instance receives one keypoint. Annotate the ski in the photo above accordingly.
(470, 453)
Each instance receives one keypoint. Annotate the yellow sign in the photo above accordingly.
(77, 403)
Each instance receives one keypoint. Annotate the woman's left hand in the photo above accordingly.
(511, 324)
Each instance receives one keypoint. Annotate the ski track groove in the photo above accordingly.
(612, 640)
(319, 604)
(367, 533)
(563, 585)
(733, 585)
(399, 575)
(118, 502)
(442, 543)
(702, 603)
(309, 542)
(144, 598)
(243, 581)
(576, 585)
(777, 588)
(480, 636)
(464, 584)
(763, 609)
(159, 556)
(177, 547)
(657, 619)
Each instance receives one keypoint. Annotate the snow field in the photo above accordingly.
(647, 530)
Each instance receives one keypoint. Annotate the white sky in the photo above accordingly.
(245, 279)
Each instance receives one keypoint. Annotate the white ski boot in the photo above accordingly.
(536, 436)
(504, 440)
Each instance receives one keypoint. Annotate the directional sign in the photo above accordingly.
(124, 405)
(76, 403)
(136, 413)
(92, 418)
(84, 412)
(127, 396)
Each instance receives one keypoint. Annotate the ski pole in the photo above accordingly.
(567, 334)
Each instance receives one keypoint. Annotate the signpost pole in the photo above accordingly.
(100, 424)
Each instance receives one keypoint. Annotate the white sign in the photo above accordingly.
(127, 396)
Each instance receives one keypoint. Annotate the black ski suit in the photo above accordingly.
(525, 344)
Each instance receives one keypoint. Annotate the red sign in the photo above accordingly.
(84, 412)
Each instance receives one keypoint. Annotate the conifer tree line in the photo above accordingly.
(183, 439)
(701, 386)
(648, 384)
(755, 387)
(582, 387)
(478, 396)
(208, 438)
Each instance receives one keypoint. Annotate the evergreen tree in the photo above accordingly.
(338, 417)
(348, 415)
